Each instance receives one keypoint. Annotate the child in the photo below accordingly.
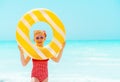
(40, 67)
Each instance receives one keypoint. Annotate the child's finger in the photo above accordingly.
(64, 44)
(20, 48)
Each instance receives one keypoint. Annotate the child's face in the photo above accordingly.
(39, 38)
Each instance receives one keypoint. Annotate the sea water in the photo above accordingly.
(82, 61)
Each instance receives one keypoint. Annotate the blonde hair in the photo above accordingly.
(40, 32)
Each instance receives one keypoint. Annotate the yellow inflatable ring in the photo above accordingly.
(23, 38)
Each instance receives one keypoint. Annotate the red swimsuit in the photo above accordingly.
(40, 69)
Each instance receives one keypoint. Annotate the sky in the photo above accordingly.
(83, 19)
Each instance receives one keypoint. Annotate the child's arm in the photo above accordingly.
(57, 59)
(24, 60)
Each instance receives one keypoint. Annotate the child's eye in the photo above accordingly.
(40, 37)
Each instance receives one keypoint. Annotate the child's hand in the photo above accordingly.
(63, 45)
(21, 51)
(57, 59)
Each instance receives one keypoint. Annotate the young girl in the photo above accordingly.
(40, 67)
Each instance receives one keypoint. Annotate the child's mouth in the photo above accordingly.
(39, 42)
